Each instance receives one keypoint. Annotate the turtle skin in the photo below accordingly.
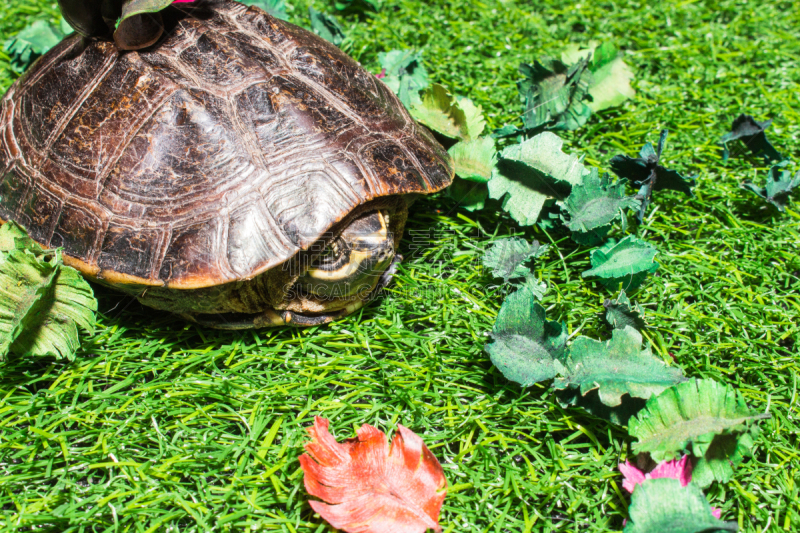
(197, 173)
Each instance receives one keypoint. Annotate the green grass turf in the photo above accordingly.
(163, 426)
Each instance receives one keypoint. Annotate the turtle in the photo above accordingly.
(241, 172)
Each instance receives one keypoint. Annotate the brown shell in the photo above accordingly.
(218, 154)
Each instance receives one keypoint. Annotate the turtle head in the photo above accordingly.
(353, 264)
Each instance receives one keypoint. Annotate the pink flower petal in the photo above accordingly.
(382, 74)
(716, 512)
(631, 476)
(680, 470)
(182, 1)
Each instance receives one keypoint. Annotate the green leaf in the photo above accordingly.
(663, 506)
(753, 136)
(404, 74)
(24, 282)
(627, 262)
(527, 347)
(620, 313)
(326, 26)
(611, 76)
(529, 173)
(596, 202)
(469, 194)
(591, 403)
(456, 118)
(616, 367)
(552, 93)
(690, 413)
(779, 186)
(718, 458)
(276, 8)
(32, 42)
(506, 258)
(53, 326)
(14, 237)
(646, 172)
(474, 160)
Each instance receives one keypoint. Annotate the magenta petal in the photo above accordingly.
(631, 476)
(716, 512)
(680, 470)
(382, 74)
(182, 1)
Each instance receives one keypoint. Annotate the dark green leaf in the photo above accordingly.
(358, 6)
(780, 185)
(717, 458)
(507, 258)
(31, 43)
(529, 173)
(646, 172)
(326, 26)
(469, 194)
(527, 347)
(690, 413)
(591, 403)
(621, 313)
(751, 133)
(664, 506)
(404, 74)
(615, 368)
(553, 94)
(626, 262)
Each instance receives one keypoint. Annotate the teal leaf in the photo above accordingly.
(404, 74)
(527, 348)
(662, 505)
(529, 173)
(626, 262)
(326, 26)
(553, 94)
(690, 414)
(468, 194)
(779, 187)
(616, 367)
(32, 42)
(474, 160)
(752, 134)
(621, 313)
(507, 258)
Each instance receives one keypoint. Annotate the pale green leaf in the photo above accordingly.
(529, 173)
(326, 26)
(14, 237)
(553, 94)
(616, 367)
(527, 347)
(456, 118)
(507, 258)
(664, 506)
(33, 41)
(611, 85)
(474, 160)
(276, 8)
(621, 313)
(690, 413)
(404, 74)
(596, 202)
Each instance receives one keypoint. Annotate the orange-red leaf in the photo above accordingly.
(370, 487)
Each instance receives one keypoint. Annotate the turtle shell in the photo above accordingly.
(236, 142)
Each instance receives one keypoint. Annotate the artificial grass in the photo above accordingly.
(159, 425)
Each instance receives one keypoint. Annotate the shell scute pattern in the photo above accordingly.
(216, 155)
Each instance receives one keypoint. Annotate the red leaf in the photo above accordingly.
(371, 488)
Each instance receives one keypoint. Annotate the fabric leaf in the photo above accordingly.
(693, 413)
(752, 134)
(474, 160)
(664, 505)
(529, 173)
(468, 194)
(276, 8)
(553, 94)
(358, 5)
(507, 257)
(590, 402)
(447, 115)
(326, 26)
(627, 262)
(404, 74)
(611, 76)
(616, 367)
(14, 237)
(621, 313)
(527, 348)
(31, 43)
(779, 187)
(367, 486)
